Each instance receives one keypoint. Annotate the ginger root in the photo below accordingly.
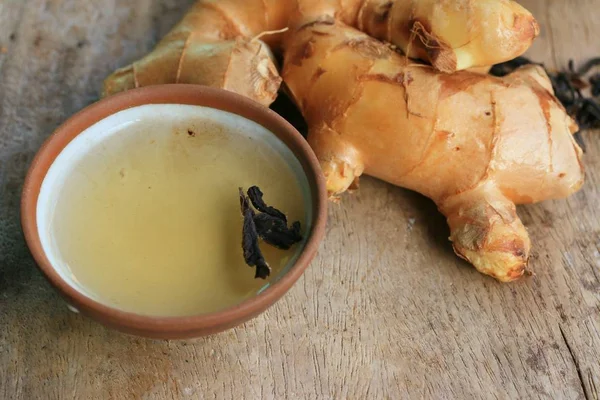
(475, 144)
(451, 35)
(214, 43)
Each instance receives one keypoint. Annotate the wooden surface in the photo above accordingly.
(385, 311)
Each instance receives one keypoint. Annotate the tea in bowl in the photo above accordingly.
(132, 210)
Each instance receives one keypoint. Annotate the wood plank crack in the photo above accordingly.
(575, 362)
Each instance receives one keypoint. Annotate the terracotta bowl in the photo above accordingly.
(173, 327)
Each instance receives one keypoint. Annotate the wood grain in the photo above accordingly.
(385, 311)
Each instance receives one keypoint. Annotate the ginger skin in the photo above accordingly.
(475, 144)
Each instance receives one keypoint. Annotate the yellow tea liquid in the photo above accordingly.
(149, 221)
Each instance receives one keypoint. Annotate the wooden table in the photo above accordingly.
(385, 311)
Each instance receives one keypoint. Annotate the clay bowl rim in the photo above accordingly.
(173, 326)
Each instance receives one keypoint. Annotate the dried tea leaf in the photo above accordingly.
(269, 224)
(252, 253)
(275, 232)
(595, 83)
(256, 197)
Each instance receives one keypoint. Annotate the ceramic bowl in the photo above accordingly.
(188, 326)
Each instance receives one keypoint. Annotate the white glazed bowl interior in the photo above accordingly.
(92, 139)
